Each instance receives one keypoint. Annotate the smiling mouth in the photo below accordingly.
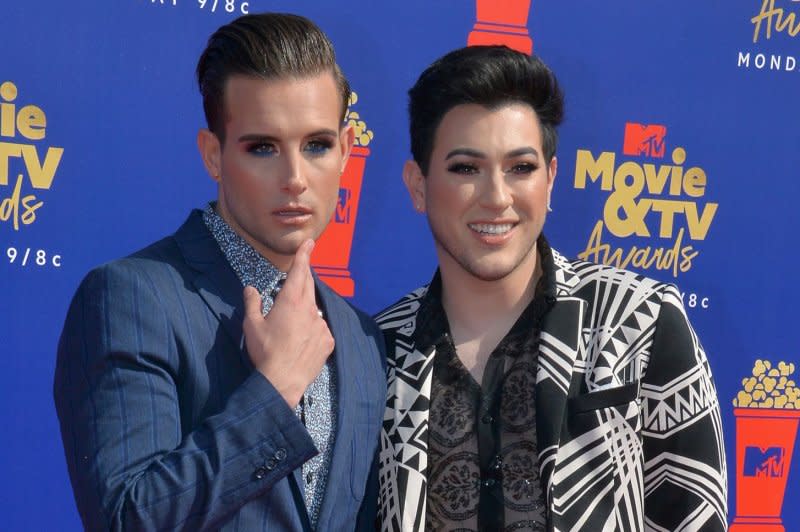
(492, 229)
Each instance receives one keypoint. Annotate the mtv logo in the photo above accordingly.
(763, 463)
(644, 139)
(342, 214)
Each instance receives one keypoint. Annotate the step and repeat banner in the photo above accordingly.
(678, 158)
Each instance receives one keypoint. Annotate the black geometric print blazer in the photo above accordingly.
(628, 423)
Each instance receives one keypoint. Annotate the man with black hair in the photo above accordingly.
(526, 391)
(200, 381)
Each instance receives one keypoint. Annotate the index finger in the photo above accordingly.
(298, 279)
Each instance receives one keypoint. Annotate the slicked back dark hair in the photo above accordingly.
(265, 46)
(491, 76)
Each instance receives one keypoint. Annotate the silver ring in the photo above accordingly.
(319, 313)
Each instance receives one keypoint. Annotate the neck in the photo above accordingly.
(472, 305)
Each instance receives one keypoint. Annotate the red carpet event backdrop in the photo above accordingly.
(678, 158)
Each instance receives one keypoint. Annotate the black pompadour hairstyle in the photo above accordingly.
(491, 76)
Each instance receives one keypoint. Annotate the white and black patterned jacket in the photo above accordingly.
(628, 422)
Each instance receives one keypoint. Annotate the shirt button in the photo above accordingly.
(260, 473)
(280, 454)
(309, 478)
(487, 419)
(497, 463)
(488, 482)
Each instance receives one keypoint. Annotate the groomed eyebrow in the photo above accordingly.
(469, 152)
(255, 137)
(528, 150)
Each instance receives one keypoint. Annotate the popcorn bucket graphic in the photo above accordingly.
(331, 255)
(765, 438)
(502, 22)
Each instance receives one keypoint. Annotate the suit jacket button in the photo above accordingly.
(260, 473)
(280, 454)
(270, 464)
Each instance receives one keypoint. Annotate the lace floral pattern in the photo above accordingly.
(520, 476)
(456, 488)
(517, 408)
(463, 414)
(453, 419)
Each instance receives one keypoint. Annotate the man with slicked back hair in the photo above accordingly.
(210, 381)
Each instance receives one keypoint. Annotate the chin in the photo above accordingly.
(289, 246)
(489, 272)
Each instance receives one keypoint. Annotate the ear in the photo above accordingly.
(552, 169)
(347, 138)
(210, 152)
(415, 183)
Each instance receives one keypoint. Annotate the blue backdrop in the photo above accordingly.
(99, 112)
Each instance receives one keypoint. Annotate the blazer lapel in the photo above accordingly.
(347, 414)
(215, 281)
(409, 393)
(560, 349)
(561, 366)
(412, 391)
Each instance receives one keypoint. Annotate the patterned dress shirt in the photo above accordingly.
(483, 468)
(318, 406)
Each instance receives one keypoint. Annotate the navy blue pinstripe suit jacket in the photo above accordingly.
(165, 424)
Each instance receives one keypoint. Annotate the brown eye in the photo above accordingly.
(462, 168)
(523, 168)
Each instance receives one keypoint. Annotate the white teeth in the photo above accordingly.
(491, 229)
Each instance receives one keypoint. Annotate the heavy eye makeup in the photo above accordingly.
(520, 162)
(318, 146)
(522, 168)
(315, 145)
(518, 168)
(462, 167)
(261, 149)
(258, 145)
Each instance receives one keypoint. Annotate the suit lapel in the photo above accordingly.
(344, 356)
(215, 280)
